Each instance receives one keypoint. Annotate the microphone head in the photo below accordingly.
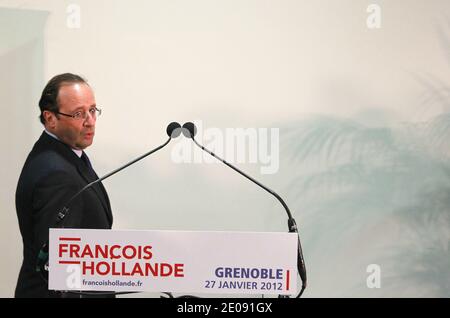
(173, 130)
(189, 130)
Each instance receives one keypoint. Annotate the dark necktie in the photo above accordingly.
(93, 176)
(87, 162)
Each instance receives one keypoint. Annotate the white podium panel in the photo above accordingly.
(173, 261)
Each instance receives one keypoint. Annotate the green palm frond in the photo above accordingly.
(437, 133)
(329, 140)
(349, 178)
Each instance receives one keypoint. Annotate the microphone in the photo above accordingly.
(189, 130)
(173, 130)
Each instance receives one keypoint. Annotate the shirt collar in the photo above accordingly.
(76, 151)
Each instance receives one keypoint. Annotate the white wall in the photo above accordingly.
(306, 67)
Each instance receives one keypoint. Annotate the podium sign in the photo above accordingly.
(173, 261)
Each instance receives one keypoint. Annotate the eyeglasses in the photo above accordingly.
(82, 115)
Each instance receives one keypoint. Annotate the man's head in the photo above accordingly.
(68, 110)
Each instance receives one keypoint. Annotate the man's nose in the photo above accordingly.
(90, 119)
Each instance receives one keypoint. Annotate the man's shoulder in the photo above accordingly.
(47, 157)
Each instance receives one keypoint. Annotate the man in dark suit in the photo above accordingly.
(54, 171)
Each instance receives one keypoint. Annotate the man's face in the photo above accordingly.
(78, 134)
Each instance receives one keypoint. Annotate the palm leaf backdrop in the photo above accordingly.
(375, 195)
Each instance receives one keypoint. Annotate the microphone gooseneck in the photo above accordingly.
(189, 130)
(173, 130)
(65, 210)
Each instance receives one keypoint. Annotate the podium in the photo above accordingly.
(173, 261)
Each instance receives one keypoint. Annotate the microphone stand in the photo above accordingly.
(189, 130)
(65, 210)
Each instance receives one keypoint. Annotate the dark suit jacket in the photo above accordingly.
(51, 175)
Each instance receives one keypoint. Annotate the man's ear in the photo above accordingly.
(50, 119)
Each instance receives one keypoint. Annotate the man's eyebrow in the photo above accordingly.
(81, 107)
